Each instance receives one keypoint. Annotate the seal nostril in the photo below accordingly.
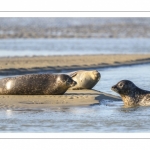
(74, 82)
(113, 87)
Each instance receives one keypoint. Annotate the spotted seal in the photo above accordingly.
(36, 84)
(85, 79)
(131, 94)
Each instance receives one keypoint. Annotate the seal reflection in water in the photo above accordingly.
(131, 94)
(36, 84)
(85, 79)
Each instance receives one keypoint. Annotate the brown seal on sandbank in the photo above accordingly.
(36, 84)
(131, 94)
(85, 79)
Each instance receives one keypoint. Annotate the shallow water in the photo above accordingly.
(139, 74)
(30, 47)
(109, 116)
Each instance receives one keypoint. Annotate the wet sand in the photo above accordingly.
(36, 64)
(70, 98)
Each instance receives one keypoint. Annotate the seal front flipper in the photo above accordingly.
(72, 74)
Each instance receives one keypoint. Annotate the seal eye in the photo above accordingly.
(68, 81)
(120, 84)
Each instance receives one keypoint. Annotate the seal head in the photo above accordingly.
(131, 94)
(66, 80)
(85, 79)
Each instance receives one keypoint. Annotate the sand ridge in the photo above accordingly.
(24, 65)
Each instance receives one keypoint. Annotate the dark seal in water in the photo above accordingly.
(36, 84)
(131, 94)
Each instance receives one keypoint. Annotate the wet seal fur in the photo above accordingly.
(36, 84)
(85, 79)
(131, 94)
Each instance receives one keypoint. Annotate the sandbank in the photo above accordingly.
(36, 64)
(70, 98)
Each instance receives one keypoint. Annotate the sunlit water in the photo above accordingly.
(109, 116)
(30, 47)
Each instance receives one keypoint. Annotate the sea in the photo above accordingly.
(108, 117)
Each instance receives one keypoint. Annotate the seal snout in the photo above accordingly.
(73, 83)
(114, 88)
(96, 74)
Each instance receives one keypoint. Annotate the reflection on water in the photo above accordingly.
(109, 116)
(100, 118)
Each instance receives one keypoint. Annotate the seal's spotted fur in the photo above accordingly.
(131, 94)
(36, 84)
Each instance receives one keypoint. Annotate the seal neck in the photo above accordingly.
(134, 97)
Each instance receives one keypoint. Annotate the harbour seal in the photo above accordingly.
(131, 94)
(36, 84)
(85, 79)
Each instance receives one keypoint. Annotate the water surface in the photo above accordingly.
(36, 47)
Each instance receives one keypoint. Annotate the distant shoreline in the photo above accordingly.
(65, 27)
(26, 65)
